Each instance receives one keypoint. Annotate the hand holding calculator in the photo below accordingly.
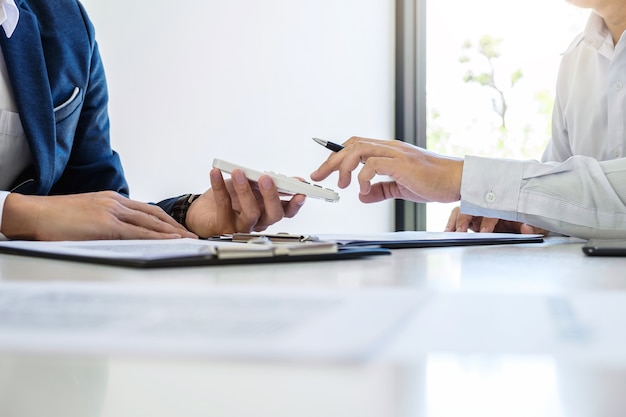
(285, 184)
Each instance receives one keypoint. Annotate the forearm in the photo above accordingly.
(580, 197)
(19, 217)
(88, 216)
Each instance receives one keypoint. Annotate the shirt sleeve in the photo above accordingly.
(580, 197)
(3, 197)
(558, 148)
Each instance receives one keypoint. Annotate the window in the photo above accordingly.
(491, 68)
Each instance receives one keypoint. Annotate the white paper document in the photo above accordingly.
(208, 322)
(581, 326)
(418, 239)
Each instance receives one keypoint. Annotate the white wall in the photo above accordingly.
(248, 81)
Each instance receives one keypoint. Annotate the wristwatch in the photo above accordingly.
(179, 210)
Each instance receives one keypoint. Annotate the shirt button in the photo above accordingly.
(490, 197)
(619, 85)
(616, 152)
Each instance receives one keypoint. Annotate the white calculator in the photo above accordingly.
(285, 184)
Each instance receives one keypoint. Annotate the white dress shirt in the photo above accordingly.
(9, 16)
(14, 152)
(580, 187)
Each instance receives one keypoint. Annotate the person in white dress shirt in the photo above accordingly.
(579, 188)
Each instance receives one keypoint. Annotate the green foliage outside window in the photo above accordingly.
(525, 138)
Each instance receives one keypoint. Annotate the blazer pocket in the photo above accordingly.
(68, 106)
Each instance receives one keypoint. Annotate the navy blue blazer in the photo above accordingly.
(61, 94)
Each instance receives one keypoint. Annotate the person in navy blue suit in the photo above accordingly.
(62, 179)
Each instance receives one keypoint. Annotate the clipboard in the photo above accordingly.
(185, 252)
(425, 239)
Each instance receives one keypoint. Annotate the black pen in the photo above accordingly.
(329, 145)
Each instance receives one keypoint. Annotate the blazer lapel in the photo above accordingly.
(24, 56)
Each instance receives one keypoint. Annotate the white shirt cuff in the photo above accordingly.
(3, 196)
(490, 187)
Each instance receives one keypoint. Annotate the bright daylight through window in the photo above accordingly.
(491, 73)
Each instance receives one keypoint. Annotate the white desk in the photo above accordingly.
(418, 372)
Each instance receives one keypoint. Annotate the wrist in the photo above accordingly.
(19, 217)
(450, 173)
(3, 197)
(181, 207)
(457, 178)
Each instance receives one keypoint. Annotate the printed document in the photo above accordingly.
(106, 318)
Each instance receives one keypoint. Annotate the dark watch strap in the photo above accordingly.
(179, 210)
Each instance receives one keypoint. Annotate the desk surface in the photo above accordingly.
(474, 368)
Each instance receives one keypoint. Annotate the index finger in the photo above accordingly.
(154, 211)
(149, 221)
(452, 220)
(332, 163)
(335, 160)
(356, 151)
